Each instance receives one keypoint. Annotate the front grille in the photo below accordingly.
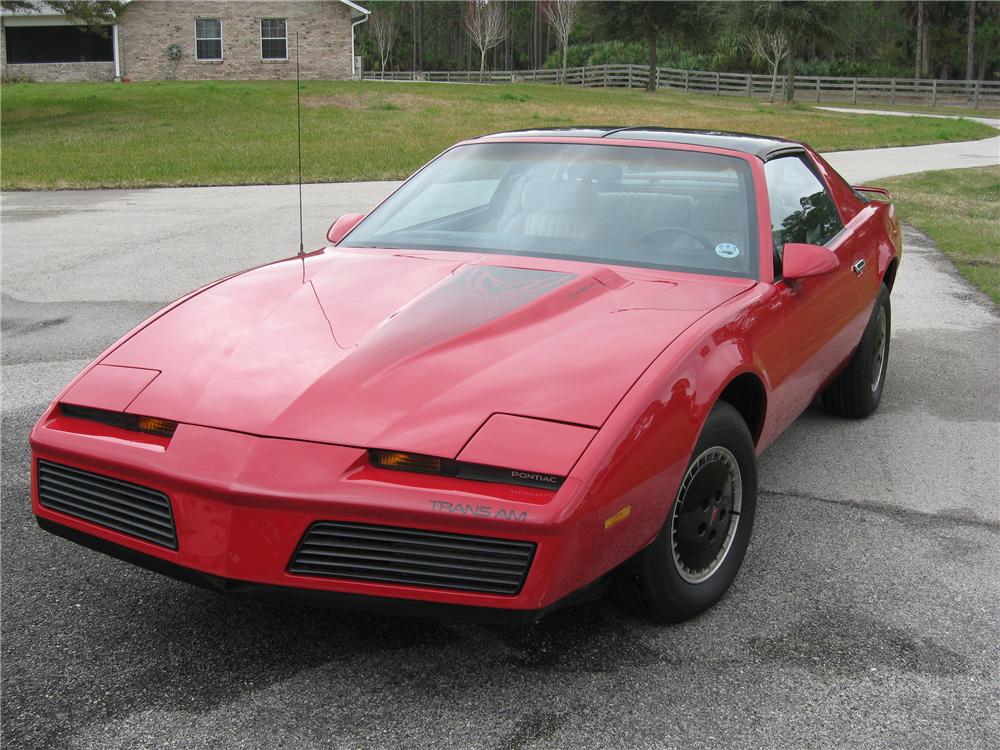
(129, 508)
(389, 554)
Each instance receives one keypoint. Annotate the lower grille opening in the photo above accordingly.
(435, 559)
(122, 506)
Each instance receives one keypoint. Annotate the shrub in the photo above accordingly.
(617, 52)
(174, 52)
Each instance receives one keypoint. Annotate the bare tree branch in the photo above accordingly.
(486, 24)
(561, 15)
(771, 46)
(383, 28)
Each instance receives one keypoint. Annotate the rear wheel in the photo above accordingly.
(700, 549)
(857, 391)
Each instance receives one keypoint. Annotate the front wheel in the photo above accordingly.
(857, 391)
(700, 549)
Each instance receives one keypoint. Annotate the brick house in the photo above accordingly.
(218, 40)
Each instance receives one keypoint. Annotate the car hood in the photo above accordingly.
(412, 351)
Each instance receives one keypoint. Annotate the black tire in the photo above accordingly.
(657, 583)
(857, 390)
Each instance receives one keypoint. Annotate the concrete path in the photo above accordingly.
(867, 165)
(876, 164)
(991, 121)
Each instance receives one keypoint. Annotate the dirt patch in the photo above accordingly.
(412, 101)
(339, 101)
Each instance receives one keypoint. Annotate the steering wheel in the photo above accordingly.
(652, 233)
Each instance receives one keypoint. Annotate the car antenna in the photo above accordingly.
(298, 123)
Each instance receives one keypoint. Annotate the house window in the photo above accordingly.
(208, 39)
(58, 44)
(273, 39)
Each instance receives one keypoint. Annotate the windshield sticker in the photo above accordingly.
(726, 250)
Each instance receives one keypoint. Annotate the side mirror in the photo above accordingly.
(800, 260)
(339, 229)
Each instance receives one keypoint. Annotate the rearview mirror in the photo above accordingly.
(339, 229)
(799, 260)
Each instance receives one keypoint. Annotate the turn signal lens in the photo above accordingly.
(156, 426)
(408, 462)
(152, 425)
(448, 467)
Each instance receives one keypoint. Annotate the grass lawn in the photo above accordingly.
(960, 210)
(212, 133)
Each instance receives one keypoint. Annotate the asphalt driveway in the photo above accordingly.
(865, 616)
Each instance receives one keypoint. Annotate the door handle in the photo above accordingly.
(859, 267)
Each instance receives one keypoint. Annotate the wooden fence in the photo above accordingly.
(933, 93)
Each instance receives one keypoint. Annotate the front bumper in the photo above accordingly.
(241, 505)
(316, 597)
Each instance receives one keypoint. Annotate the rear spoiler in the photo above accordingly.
(882, 193)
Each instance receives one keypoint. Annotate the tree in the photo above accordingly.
(639, 19)
(988, 39)
(799, 20)
(970, 43)
(920, 62)
(413, 32)
(96, 15)
(770, 46)
(383, 28)
(561, 15)
(486, 25)
(925, 52)
(795, 22)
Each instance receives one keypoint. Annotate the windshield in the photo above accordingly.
(652, 207)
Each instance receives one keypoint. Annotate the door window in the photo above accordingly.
(801, 208)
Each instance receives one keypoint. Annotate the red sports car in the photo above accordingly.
(546, 363)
